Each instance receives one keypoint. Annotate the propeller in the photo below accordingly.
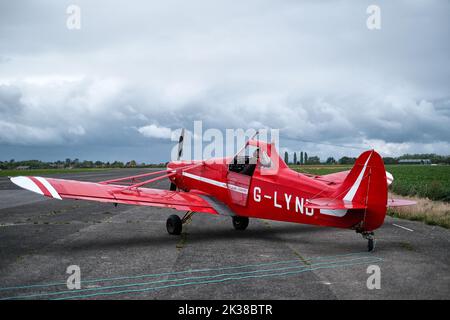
(180, 145)
(173, 186)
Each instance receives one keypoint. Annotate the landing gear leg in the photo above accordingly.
(187, 216)
(370, 240)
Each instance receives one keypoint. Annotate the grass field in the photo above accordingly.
(34, 172)
(428, 211)
(429, 186)
(320, 169)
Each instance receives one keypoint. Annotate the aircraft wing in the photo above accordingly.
(71, 189)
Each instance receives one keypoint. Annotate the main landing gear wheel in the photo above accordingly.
(174, 225)
(173, 187)
(240, 223)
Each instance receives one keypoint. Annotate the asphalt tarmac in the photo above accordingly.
(125, 252)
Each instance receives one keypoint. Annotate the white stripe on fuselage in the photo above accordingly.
(216, 183)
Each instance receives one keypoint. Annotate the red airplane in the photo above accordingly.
(255, 183)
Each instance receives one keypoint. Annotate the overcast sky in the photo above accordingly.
(135, 69)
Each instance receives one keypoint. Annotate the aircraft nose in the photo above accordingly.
(172, 165)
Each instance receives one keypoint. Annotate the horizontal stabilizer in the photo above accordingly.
(400, 203)
(333, 204)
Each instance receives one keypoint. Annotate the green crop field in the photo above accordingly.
(431, 182)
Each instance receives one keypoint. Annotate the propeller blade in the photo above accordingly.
(180, 145)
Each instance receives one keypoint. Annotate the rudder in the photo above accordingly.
(366, 184)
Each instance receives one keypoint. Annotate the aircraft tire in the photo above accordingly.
(173, 187)
(174, 225)
(240, 223)
(370, 245)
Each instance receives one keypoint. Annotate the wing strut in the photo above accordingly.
(134, 182)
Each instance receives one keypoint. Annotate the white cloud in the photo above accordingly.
(153, 131)
(27, 135)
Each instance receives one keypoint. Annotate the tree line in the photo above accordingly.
(73, 163)
(301, 157)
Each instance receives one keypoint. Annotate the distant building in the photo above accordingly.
(22, 167)
(414, 161)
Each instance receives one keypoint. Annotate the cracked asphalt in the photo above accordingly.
(125, 252)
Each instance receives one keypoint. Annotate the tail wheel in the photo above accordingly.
(240, 223)
(370, 245)
(369, 236)
(174, 225)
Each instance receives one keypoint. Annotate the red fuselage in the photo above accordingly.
(276, 197)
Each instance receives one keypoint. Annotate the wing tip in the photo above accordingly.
(43, 187)
(26, 183)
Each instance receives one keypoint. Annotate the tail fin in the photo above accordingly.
(366, 184)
